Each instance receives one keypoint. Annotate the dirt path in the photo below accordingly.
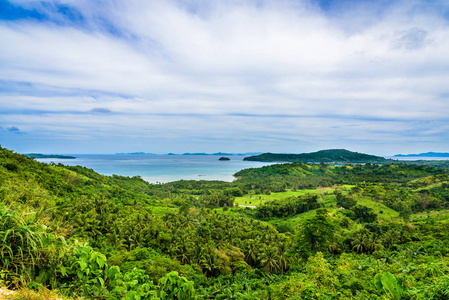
(321, 188)
(5, 292)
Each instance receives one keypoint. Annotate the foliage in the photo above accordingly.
(24, 245)
(174, 286)
(386, 282)
(81, 233)
(345, 201)
(287, 207)
(316, 235)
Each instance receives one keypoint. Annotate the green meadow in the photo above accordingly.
(257, 199)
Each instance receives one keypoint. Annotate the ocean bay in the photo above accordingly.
(162, 168)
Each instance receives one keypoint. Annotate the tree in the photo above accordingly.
(364, 241)
(173, 286)
(269, 259)
(316, 234)
(345, 201)
(364, 214)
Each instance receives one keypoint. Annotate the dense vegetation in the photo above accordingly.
(358, 232)
(326, 156)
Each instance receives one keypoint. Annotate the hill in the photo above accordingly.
(85, 235)
(326, 156)
(427, 154)
(39, 155)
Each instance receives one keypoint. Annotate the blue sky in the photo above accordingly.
(97, 76)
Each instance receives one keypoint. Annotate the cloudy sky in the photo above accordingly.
(107, 76)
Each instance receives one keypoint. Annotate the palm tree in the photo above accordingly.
(283, 260)
(251, 252)
(208, 264)
(269, 259)
(183, 249)
(364, 241)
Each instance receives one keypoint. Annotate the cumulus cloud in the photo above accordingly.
(259, 71)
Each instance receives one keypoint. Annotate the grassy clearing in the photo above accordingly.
(255, 200)
(293, 221)
(162, 210)
(384, 213)
(440, 215)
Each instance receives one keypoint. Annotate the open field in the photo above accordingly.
(162, 210)
(384, 213)
(255, 200)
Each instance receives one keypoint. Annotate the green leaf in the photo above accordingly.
(100, 261)
(113, 272)
(83, 264)
(101, 281)
(378, 282)
(44, 275)
(386, 282)
(63, 271)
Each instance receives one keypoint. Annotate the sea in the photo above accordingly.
(168, 168)
(162, 168)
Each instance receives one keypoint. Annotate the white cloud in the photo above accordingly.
(147, 61)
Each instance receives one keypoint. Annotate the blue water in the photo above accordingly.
(162, 168)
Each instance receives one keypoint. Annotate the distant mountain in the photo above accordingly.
(39, 155)
(224, 154)
(196, 153)
(135, 153)
(427, 154)
(326, 156)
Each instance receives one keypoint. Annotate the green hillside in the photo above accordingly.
(326, 156)
(317, 232)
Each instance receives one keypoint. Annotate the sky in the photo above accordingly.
(286, 76)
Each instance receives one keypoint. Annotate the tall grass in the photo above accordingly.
(21, 243)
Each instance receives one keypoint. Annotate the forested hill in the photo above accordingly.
(326, 156)
(39, 155)
(308, 231)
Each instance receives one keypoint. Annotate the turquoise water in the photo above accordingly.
(165, 168)
(162, 168)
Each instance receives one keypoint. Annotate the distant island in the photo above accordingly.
(193, 154)
(224, 154)
(427, 154)
(135, 153)
(39, 155)
(224, 158)
(325, 156)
